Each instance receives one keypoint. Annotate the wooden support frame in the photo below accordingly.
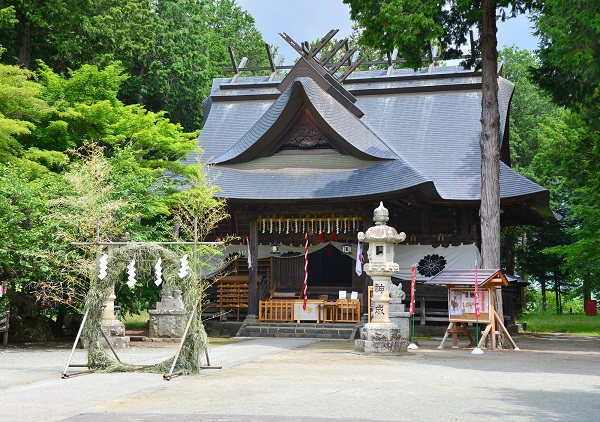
(491, 329)
(456, 328)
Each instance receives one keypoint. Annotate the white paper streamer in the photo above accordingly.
(131, 271)
(103, 267)
(158, 271)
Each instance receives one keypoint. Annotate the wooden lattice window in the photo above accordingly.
(441, 221)
(408, 220)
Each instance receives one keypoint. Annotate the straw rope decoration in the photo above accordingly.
(192, 292)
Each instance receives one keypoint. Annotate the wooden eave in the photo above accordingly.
(466, 278)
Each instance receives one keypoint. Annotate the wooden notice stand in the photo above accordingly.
(461, 303)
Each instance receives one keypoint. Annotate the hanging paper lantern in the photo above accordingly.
(158, 271)
(131, 271)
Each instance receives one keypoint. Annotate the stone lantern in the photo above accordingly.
(381, 335)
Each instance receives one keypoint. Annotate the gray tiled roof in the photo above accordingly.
(419, 130)
(320, 176)
(344, 127)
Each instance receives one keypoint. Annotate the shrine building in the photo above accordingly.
(316, 149)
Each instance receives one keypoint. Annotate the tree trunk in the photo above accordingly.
(557, 292)
(544, 302)
(25, 49)
(489, 211)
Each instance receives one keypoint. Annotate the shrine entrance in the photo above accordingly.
(330, 267)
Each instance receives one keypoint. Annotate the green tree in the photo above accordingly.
(530, 107)
(21, 106)
(68, 33)
(532, 113)
(70, 112)
(189, 50)
(171, 49)
(570, 71)
(85, 107)
(569, 53)
(568, 159)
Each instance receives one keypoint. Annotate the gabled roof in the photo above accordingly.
(416, 131)
(345, 129)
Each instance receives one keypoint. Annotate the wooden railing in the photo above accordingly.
(282, 310)
(275, 310)
(348, 310)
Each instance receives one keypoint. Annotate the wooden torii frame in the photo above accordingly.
(97, 244)
(461, 304)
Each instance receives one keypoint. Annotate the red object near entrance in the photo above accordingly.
(590, 307)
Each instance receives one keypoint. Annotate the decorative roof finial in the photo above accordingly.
(381, 215)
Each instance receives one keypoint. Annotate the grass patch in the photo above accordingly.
(133, 321)
(548, 322)
(221, 341)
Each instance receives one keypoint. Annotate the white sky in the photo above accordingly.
(308, 20)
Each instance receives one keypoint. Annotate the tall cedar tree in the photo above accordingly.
(410, 25)
(570, 71)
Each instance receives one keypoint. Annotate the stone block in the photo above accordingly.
(165, 323)
(380, 346)
(402, 321)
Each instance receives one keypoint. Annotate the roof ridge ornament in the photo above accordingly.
(310, 54)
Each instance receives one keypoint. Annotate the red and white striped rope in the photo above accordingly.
(477, 304)
(305, 269)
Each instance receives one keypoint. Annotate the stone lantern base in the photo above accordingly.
(115, 332)
(381, 338)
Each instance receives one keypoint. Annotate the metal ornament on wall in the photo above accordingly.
(306, 138)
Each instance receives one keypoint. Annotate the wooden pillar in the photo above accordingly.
(253, 271)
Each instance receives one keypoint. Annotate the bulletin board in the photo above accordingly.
(461, 304)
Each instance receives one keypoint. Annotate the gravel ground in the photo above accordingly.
(552, 378)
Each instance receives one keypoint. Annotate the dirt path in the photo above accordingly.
(552, 378)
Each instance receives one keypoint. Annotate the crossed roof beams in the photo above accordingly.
(348, 59)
